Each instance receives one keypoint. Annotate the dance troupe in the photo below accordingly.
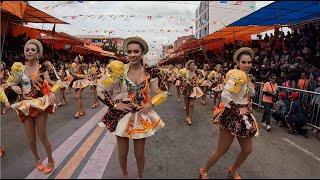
(30, 90)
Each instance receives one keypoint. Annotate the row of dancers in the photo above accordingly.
(193, 83)
(126, 90)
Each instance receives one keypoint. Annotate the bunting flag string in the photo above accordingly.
(126, 17)
(106, 31)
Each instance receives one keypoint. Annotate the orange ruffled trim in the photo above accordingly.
(34, 112)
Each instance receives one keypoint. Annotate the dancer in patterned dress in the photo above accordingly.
(170, 77)
(66, 78)
(236, 119)
(95, 74)
(217, 80)
(80, 82)
(35, 100)
(178, 81)
(52, 76)
(6, 104)
(131, 114)
(191, 89)
(204, 82)
(4, 75)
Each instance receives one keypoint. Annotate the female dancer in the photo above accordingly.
(236, 119)
(131, 114)
(217, 79)
(191, 90)
(52, 76)
(79, 83)
(4, 75)
(4, 100)
(170, 78)
(95, 74)
(66, 79)
(178, 81)
(204, 82)
(37, 100)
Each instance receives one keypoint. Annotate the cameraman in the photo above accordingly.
(269, 98)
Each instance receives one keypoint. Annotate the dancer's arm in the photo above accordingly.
(107, 84)
(3, 98)
(161, 95)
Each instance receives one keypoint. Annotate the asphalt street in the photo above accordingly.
(82, 149)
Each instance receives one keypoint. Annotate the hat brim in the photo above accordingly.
(189, 62)
(142, 42)
(241, 50)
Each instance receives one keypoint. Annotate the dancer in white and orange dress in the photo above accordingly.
(178, 82)
(170, 77)
(35, 99)
(6, 104)
(235, 119)
(4, 75)
(66, 79)
(217, 82)
(80, 81)
(191, 89)
(95, 74)
(204, 82)
(131, 114)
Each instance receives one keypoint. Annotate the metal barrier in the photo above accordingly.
(312, 98)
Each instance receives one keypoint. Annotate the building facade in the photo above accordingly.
(202, 20)
(212, 16)
(100, 39)
(180, 41)
(167, 51)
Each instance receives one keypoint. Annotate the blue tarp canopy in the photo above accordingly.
(282, 13)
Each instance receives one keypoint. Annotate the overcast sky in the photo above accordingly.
(182, 13)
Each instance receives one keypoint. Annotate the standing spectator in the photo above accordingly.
(312, 83)
(269, 92)
(315, 102)
(303, 82)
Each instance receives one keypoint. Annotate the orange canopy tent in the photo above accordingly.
(188, 45)
(23, 12)
(217, 39)
(237, 32)
(17, 29)
(19, 12)
(60, 39)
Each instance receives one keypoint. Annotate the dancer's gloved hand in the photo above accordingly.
(16, 89)
(147, 107)
(244, 110)
(52, 98)
(122, 107)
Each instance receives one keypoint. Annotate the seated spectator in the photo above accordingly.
(296, 118)
(281, 108)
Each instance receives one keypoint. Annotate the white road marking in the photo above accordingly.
(67, 146)
(302, 149)
(98, 162)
